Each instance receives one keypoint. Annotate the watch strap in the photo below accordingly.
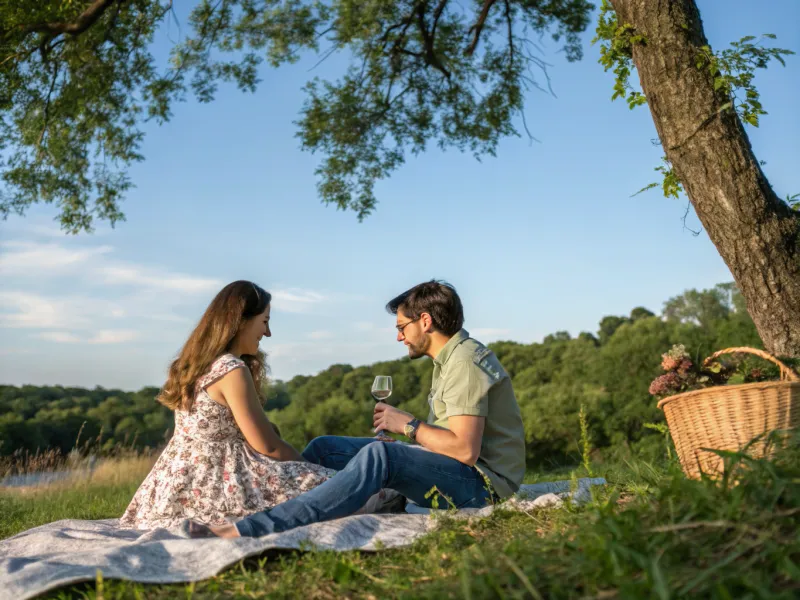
(411, 428)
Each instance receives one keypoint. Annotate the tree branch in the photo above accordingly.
(405, 23)
(21, 55)
(85, 20)
(427, 39)
(408, 52)
(375, 118)
(325, 56)
(56, 66)
(510, 33)
(478, 27)
(436, 14)
(685, 216)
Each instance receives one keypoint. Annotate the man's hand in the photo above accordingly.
(389, 418)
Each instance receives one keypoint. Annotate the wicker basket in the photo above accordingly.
(729, 417)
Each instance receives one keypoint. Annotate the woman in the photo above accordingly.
(225, 459)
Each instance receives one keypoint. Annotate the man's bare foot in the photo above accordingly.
(199, 530)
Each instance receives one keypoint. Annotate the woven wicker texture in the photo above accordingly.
(729, 417)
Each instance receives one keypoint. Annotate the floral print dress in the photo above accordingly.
(209, 473)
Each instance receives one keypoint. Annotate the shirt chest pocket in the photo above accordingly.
(435, 401)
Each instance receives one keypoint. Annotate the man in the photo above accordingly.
(474, 436)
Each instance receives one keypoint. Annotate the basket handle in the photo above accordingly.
(787, 373)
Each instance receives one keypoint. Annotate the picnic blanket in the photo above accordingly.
(71, 551)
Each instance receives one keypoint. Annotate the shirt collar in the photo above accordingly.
(451, 344)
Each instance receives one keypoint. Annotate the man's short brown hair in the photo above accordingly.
(437, 298)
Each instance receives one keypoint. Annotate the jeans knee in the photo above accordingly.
(374, 452)
(317, 448)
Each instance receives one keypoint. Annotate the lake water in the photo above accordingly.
(43, 478)
(34, 479)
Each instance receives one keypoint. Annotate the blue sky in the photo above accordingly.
(544, 237)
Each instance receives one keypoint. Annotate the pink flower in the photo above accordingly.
(196, 492)
(225, 475)
(684, 367)
(669, 363)
(665, 384)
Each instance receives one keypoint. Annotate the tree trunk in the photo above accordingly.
(754, 231)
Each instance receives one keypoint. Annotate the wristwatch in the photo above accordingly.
(410, 428)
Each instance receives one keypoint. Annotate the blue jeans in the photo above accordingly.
(366, 466)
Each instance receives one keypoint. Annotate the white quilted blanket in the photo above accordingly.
(70, 551)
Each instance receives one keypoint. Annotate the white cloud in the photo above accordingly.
(60, 337)
(150, 278)
(104, 336)
(113, 336)
(20, 309)
(14, 351)
(295, 300)
(70, 294)
(31, 259)
(320, 335)
(49, 231)
(28, 258)
(30, 227)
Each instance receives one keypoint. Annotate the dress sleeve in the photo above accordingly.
(219, 368)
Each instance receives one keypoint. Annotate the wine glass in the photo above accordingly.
(381, 390)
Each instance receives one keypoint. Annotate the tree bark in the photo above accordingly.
(754, 231)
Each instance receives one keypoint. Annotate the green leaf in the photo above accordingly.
(73, 104)
(649, 186)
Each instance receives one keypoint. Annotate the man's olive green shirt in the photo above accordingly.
(469, 380)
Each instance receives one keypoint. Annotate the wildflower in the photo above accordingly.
(684, 366)
(668, 363)
(674, 358)
(668, 383)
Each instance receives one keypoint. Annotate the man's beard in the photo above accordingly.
(418, 350)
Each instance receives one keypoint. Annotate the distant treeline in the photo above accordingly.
(608, 371)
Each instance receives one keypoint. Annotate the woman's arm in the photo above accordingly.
(240, 394)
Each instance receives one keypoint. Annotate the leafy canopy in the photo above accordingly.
(77, 79)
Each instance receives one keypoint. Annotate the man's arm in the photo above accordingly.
(465, 393)
(462, 441)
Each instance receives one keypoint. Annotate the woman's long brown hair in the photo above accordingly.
(235, 304)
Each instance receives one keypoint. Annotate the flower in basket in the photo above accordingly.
(735, 426)
(683, 375)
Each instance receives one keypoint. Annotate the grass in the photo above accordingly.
(104, 494)
(669, 538)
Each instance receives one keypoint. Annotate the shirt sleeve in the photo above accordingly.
(466, 390)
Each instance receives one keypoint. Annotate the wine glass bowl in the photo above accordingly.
(381, 390)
